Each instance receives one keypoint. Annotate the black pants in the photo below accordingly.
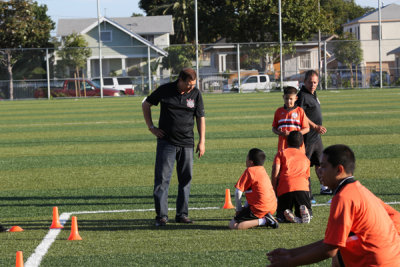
(290, 199)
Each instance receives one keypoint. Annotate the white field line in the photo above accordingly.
(41, 250)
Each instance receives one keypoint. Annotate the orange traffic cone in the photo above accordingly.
(16, 229)
(56, 222)
(74, 230)
(228, 202)
(19, 262)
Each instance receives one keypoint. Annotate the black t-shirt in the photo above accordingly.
(310, 103)
(177, 112)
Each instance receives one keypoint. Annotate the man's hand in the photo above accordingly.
(157, 132)
(201, 148)
(320, 129)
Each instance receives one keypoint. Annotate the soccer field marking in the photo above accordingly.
(41, 250)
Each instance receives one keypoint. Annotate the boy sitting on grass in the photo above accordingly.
(361, 229)
(260, 196)
(289, 118)
(289, 177)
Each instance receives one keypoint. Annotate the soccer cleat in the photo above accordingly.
(270, 221)
(161, 221)
(325, 191)
(183, 219)
(3, 229)
(289, 216)
(305, 215)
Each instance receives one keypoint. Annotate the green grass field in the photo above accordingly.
(97, 155)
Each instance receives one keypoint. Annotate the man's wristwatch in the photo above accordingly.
(152, 127)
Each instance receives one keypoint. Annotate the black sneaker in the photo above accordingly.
(326, 191)
(271, 221)
(3, 229)
(161, 221)
(183, 219)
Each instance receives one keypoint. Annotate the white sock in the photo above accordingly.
(262, 221)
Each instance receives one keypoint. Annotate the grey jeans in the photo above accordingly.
(166, 156)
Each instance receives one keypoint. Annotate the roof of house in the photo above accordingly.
(394, 51)
(140, 25)
(388, 13)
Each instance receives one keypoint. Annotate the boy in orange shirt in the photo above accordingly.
(289, 118)
(260, 197)
(361, 230)
(290, 173)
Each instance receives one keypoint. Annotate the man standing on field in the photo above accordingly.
(180, 102)
(307, 99)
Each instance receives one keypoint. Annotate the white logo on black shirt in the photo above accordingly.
(190, 103)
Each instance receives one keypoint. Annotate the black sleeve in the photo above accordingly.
(200, 106)
(155, 97)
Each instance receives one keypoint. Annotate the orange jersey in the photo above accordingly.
(375, 241)
(294, 171)
(260, 195)
(289, 120)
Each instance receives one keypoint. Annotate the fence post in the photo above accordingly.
(149, 68)
(48, 73)
(325, 70)
(238, 65)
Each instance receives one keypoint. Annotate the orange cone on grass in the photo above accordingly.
(228, 202)
(16, 229)
(74, 229)
(19, 262)
(56, 221)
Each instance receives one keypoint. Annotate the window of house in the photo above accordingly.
(374, 32)
(149, 38)
(106, 36)
(305, 61)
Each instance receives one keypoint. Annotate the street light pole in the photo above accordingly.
(280, 43)
(197, 44)
(100, 61)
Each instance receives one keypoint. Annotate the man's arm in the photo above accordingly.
(318, 128)
(146, 108)
(201, 128)
(314, 252)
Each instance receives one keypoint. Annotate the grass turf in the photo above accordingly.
(97, 154)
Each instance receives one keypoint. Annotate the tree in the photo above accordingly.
(179, 57)
(23, 24)
(348, 52)
(343, 11)
(74, 53)
(241, 20)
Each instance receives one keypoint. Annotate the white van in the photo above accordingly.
(124, 84)
(255, 83)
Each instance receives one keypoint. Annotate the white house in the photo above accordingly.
(366, 29)
(127, 42)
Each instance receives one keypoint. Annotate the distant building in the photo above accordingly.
(126, 42)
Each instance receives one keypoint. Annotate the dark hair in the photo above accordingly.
(290, 90)
(257, 156)
(341, 155)
(187, 73)
(309, 74)
(295, 139)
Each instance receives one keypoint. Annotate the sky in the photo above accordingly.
(63, 9)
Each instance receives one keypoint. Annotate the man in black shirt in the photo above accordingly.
(308, 100)
(180, 102)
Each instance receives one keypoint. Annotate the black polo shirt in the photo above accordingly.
(177, 112)
(310, 103)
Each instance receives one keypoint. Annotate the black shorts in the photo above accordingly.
(245, 215)
(314, 152)
(293, 199)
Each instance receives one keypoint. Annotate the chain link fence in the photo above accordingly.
(223, 68)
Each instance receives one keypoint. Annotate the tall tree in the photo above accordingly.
(23, 24)
(241, 20)
(343, 11)
(348, 52)
(74, 54)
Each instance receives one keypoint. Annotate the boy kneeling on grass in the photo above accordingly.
(260, 196)
(361, 231)
(290, 180)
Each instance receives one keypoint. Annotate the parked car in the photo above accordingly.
(263, 83)
(123, 84)
(76, 88)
